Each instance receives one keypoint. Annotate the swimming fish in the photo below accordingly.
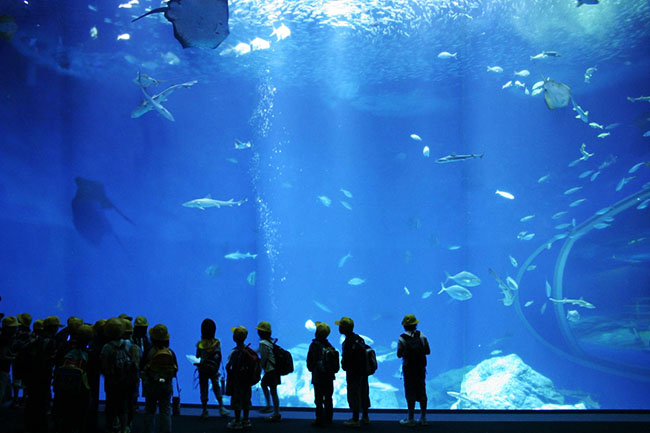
(416, 137)
(556, 95)
(604, 134)
(455, 158)
(356, 281)
(497, 69)
(526, 218)
(577, 202)
(531, 268)
(346, 193)
(426, 151)
(322, 306)
(635, 167)
(251, 279)
(604, 210)
(522, 73)
(596, 125)
(640, 98)
(446, 55)
(344, 259)
(543, 178)
(508, 294)
(457, 292)
(601, 226)
(207, 201)
(239, 145)
(644, 204)
(281, 32)
(345, 204)
(197, 23)
(238, 256)
(526, 236)
(464, 278)
(586, 2)
(512, 283)
(513, 261)
(407, 291)
(507, 85)
(528, 304)
(543, 309)
(453, 247)
(426, 294)
(325, 200)
(559, 214)
(579, 302)
(548, 289)
(562, 226)
(505, 194)
(582, 114)
(572, 190)
(155, 102)
(310, 325)
(588, 74)
(594, 176)
(585, 174)
(260, 44)
(624, 182)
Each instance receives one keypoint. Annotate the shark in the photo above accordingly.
(155, 102)
(455, 158)
(208, 201)
(238, 256)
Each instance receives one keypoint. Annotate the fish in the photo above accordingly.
(604, 134)
(562, 226)
(155, 102)
(464, 278)
(594, 176)
(543, 309)
(260, 44)
(197, 23)
(455, 158)
(531, 268)
(596, 125)
(323, 307)
(640, 98)
(579, 302)
(519, 84)
(541, 55)
(241, 49)
(543, 178)
(601, 226)
(624, 182)
(528, 304)
(345, 204)
(497, 69)
(644, 204)
(426, 294)
(446, 55)
(522, 73)
(344, 259)
(232, 160)
(612, 126)
(512, 283)
(88, 211)
(572, 190)
(548, 289)
(326, 201)
(407, 291)
(647, 133)
(513, 261)
(585, 174)
(356, 281)
(239, 256)
(453, 247)
(582, 114)
(207, 201)
(193, 359)
(310, 325)
(8, 27)
(382, 387)
(507, 85)
(416, 137)
(426, 151)
(496, 352)
(527, 236)
(583, 150)
(251, 279)
(212, 271)
(281, 32)
(94, 32)
(559, 214)
(508, 294)
(604, 210)
(505, 194)
(346, 193)
(526, 218)
(586, 2)
(457, 292)
(239, 145)
(589, 73)
(576, 162)
(635, 167)
(577, 202)
(556, 95)
(551, 53)
(573, 316)
(123, 37)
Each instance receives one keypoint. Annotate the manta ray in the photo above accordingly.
(88, 211)
(197, 23)
(556, 95)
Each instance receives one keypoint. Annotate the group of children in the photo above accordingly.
(69, 361)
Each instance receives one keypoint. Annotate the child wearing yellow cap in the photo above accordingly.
(413, 348)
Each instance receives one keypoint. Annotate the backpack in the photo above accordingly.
(246, 366)
(369, 359)
(70, 377)
(161, 366)
(283, 360)
(209, 365)
(414, 356)
(122, 369)
(329, 360)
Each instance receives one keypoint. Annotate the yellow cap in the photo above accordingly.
(345, 322)
(322, 329)
(128, 326)
(74, 323)
(114, 328)
(141, 321)
(159, 333)
(9, 322)
(52, 321)
(264, 326)
(39, 324)
(98, 327)
(239, 333)
(409, 320)
(24, 319)
(84, 334)
(125, 316)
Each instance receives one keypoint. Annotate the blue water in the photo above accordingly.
(328, 108)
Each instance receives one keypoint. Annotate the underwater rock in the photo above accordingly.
(438, 387)
(506, 382)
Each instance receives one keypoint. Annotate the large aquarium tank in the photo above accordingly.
(482, 164)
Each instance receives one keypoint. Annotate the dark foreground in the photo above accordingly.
(385, 421)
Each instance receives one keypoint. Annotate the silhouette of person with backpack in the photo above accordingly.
(160, 367)
(208, 350)
(244, 370)
(413, 348)
(323, 362)
(271, 378)
(353, 362)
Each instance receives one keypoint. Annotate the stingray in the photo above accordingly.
(556, 94)
(88, 211)
(197, 23)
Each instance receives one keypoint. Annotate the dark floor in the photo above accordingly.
(385, 421)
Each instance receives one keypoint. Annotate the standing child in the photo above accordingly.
(208, 350)
(243, 370)
(413, 348)
(323, 362)
(353, 362)
(160, 368)
(271, 378)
